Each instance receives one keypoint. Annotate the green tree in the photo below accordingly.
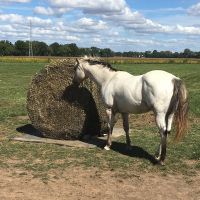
(106, 52)
(85, 51)
(6, 48)
(119, 54)
(176, 55)
(187, 53)
(155, 54)
(40, 48)
(73, 50)
(95, 51)
(55, 49)
(198, 54)
(147, 54)
(21, 48)
(65, 50)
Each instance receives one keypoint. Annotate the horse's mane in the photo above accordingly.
(97, 61)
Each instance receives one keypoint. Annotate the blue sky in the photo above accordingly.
(122, 25)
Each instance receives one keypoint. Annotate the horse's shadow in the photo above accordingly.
(134, 151)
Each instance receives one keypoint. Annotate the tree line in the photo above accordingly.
(21, 48)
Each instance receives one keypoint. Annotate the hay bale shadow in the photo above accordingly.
(30, 130)
(77, 95)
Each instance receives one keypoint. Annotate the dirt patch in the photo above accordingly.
(22, 118)
(78, 183)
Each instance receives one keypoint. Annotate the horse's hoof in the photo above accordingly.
(159, 162)
(157, 158)
(107, 148)
(162, 163)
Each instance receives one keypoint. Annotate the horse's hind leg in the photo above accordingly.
(111, 122)
(169, 122)
(126, 129)
(161, 123)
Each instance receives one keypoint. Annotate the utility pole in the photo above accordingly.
(30, 41)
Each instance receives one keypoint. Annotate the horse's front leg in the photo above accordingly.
(126, 129)
(111, 119)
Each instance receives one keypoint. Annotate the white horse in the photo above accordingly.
(159, 91)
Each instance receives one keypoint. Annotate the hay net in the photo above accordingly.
(60, 110)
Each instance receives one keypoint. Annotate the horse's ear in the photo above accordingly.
(77, 62)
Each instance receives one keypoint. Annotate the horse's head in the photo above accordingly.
(79, 75)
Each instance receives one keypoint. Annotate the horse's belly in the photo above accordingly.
(136, 108)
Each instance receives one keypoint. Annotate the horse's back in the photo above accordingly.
(126, 92)
(158, 75)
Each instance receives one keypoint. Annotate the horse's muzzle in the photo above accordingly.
(76, 83)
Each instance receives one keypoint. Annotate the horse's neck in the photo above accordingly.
(100, 75)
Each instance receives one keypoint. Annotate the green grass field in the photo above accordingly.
(183, 157)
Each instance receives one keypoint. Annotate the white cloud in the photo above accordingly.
(152, 27)
(58, 12)
(43, 11)
(15, 1)
(72, 38)
(91, 6)
(20, 19)
(126, 16)
(194, 10)
(141, 42)
(82, 26)
(88, 23)
(137, 22)
(13, 18)
(191, 30)
(8, 28)
(21, 32)
(36, 21)
(164, 10)
(110, 10)
(97, 40)
(50, 35)
(114, 13)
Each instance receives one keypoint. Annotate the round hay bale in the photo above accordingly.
(61, 110)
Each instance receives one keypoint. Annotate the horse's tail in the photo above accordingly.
(179, 105)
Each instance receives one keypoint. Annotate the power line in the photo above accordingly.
(30, 40)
